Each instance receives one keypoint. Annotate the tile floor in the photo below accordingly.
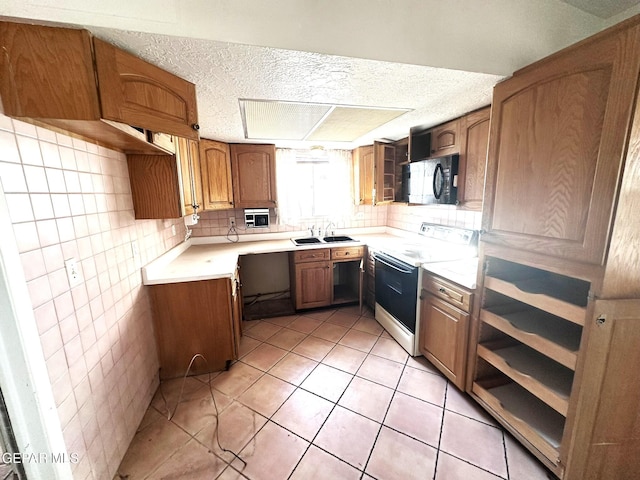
(324, 395)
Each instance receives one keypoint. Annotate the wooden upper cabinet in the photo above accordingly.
(166, 186)
(384, 155)
(474, 141)
(155, 186)
(190, 176)
(364, 166)
(215, 165)
(558, 137)
(47, 72)
(138, 93)
(253, 169)
(47, 77)
(445, 139)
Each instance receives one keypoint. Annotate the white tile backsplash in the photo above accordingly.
(97, 337)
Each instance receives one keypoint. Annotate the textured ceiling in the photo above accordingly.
(412, 54)
(226, 72)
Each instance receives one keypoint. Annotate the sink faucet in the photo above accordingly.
(313, 230)
(326, 230)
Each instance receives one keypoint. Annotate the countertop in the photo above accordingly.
(462, 272)
(197, 259)
(209, 258)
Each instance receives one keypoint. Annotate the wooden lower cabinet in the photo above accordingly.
(313, 284)
(323, 277)
(444, 327)
(196, 317)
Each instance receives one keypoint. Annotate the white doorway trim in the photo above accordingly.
(24, 380)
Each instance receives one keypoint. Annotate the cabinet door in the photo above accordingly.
(190, 179)
(385, 172)
(366, 164)
(474, 141)
(254, 175)
(445, 139)
(313, 284)
(443, 337)
(558, 136)
(190, 318)
(215, 164)
(606, 439)
(155, 186)
(138, 93)
(47, 73)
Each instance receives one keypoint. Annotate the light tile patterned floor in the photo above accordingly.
(324, 395)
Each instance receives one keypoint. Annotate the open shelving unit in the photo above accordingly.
(530, 331)
(385, 167)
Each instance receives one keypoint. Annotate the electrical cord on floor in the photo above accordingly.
(170, 414)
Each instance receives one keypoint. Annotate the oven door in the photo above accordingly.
(397, 289)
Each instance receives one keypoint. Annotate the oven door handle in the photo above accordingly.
(390, 265)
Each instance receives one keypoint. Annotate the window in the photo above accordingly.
(312, 186)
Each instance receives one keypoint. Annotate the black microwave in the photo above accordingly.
(433, 181)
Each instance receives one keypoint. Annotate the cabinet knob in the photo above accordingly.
(442, 290)
(195, 126)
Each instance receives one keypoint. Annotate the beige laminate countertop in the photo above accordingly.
(462, 272)
(190, 261)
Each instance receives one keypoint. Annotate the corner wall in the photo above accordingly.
(69, 198)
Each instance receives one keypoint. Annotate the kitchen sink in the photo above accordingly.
(315, 240)
(338, 238)
(306, 240)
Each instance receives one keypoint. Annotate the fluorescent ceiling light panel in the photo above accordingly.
(274, 120)
(267, 120)
(346, 124)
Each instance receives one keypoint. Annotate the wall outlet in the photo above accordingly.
(232, 222)
(73, 272)
(173, 229)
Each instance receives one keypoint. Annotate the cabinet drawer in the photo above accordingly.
(346, 252)
(311, 255)
(449, 292)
